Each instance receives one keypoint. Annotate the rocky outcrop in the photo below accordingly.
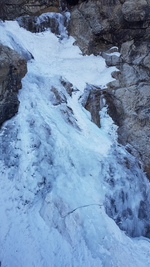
(130, 94)
(96, 27)
(91, 101)
(12, 70)
(135, 11)
(56, 22)
(10, 9)
(93, 24)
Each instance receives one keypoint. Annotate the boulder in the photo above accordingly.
(135, 10)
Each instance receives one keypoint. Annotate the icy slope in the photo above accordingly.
(59, 172)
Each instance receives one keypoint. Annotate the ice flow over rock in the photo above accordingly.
(65, 184)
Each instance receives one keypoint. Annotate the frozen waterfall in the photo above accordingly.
(65, 184)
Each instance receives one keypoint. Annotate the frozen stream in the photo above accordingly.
(60, 173)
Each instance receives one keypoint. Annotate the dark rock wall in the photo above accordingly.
(131, 97)
(96, 27)
(100, 24)
(12, 70)
(10, 9)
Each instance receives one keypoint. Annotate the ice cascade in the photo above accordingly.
(66, 184)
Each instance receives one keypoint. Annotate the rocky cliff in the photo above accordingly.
(12, 70)
(99, 25)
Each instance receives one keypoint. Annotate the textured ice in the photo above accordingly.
(60, 173)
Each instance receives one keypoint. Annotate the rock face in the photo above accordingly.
(93, 24)
(50, 20)
(10, 9)
(91, 101)
(12, 70)
(131, 97)
(99, 25)
(135, 11)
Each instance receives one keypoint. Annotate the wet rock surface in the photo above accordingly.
(12, 70)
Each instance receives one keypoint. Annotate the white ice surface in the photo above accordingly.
(52, 181)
